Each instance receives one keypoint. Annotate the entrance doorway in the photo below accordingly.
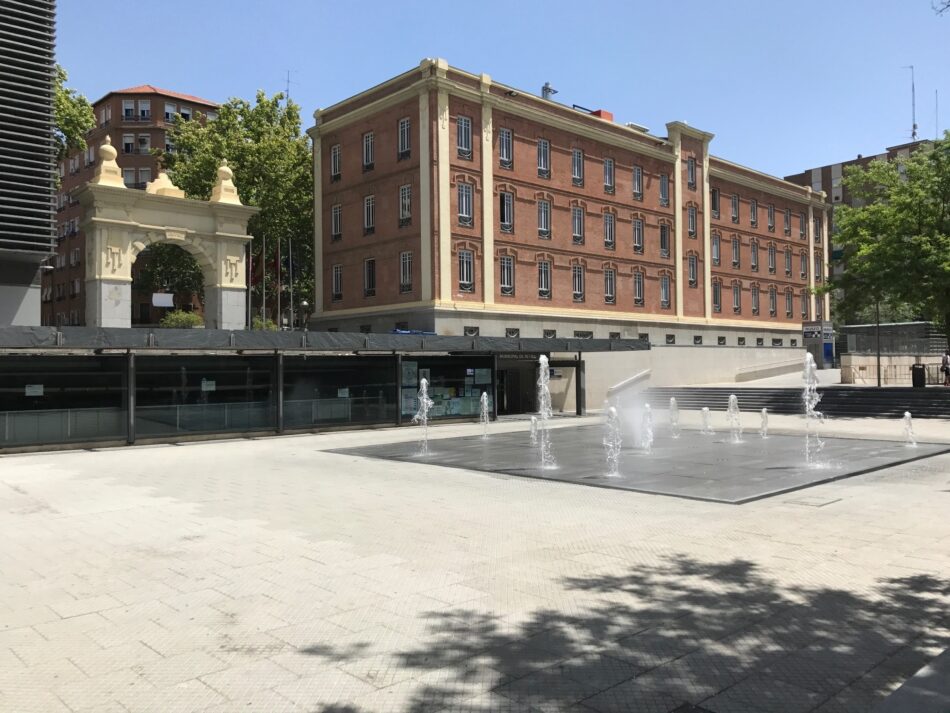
(516, 388)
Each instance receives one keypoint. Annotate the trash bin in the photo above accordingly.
(918, 375)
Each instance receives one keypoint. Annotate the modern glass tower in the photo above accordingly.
(27, 43)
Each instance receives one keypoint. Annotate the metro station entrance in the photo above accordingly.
(515, 384)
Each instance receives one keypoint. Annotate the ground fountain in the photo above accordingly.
(544, 415)
(422, 416)
(674, 418)
(483, 414)
(534, 430)
(813, 418)
(909, 437)
(707, 428)
(764, 427)
(612, 441)
(646, 434)
(735, 419)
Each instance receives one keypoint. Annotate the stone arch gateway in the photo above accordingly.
(120, 223)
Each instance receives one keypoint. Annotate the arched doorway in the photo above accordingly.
(165, 278)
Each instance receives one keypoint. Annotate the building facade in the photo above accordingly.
(447, 202)
(135, 120)
(27, 154)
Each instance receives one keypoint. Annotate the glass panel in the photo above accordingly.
(455, 385)
(344, 390)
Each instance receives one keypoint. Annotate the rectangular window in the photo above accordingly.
(577, 279)
(336, 289)
(128, 109)
(788, 261)
(637, 235)
(577, 167)
(128, 176)
(771, 214)
(691, 220)
(637, 182)
(369, 277)
(664, 291)
(404, 149)
(805, 309)
(212, 115)
(693, 263)
(577, 225)
(145, 109)
(772, 258)
(463, 137)
(145, 144)
(803, 265)
(544, 158)
(817, 230)
(714, 200)
(544, 279)
(691, 172)
(405, 205)
(754, 212)
(405, 271)
(465, 203)
(788, 221)
(145, 175)
(170, 111)
(507, 277)
(638, 288)
(737, 298)
(715, 248)
(788, 303)
(609, 186)
(335, 161)
(544, 219)
(506, 213)
(664, 240)
(369, 215)
(664, 189)
(505, 148)
(755, 299)
(735, 208)
(801, 225)
(185, 112)
(610, 285)
(610, 237)
(369, 151)
(336, 222)
(512, 332)
(736, 247)
(772, 301)
(819, 268)
(128, 144)
(466, 271)
(754, 255)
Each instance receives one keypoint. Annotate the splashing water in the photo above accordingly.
(544, 415)
(909, 436)
(646, 435)
(422, 416)
(612, 441)
(707, 429)
(764, 428)
(484, 416)
(813, 418)
(674, 418)
(735, 419)
(534, 430)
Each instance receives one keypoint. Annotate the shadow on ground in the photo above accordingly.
(721, 636)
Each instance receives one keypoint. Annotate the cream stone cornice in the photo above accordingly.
(790, 191)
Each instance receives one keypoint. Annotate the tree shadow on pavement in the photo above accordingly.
(721, 636)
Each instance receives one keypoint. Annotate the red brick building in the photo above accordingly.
(135, 119)
(447, 202)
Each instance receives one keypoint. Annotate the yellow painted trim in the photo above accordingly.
(707, 235)
(445, 224)
(317, 220)
(425, 199)
(488, 197)
(811, 263)
(377, 309)
(676, 137)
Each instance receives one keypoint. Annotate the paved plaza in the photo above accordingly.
(275, 575)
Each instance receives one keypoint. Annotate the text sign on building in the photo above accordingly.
(33, 390)
(811, 330)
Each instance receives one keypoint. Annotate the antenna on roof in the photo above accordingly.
(547, 91)
(913, 103)
(287, 90)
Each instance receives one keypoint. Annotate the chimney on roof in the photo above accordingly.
(547, 91)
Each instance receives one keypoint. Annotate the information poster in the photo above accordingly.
(410, 373)
(483, 376)
(33, 390)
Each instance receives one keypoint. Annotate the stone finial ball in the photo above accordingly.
(106, 150)
(224, 172)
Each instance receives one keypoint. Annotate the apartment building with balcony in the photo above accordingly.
(136, 121)
(450, 203)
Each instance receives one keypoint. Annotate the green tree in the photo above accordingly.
(168, 268)
(72, 115)
(271, 158)
(896, 244)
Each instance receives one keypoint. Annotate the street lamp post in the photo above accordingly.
(877, 309)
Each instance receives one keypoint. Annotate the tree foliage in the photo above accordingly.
(941, 6)
(271, 159)
(72, 116)
(168, 268)
(896, 244)
(179, 319)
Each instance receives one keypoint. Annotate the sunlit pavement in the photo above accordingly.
(270, 575)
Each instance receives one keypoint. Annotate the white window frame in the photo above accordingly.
(610, 285)
(772, 258)
(465, 201)
(716, 249)
(145, 109)
(544, 218)
(638, 287)
(506, 274)
(789, 303)
(170, 111)
(664, 240)
(610, 231)
(691, 220)
(185, 112)
(802, 223)
(506, 148)
(735, 207)
(145, 175)
(664, 189)
(544, 158)
(736, 298)
(577, 224)
(773, 300)
(754, 255)
(369, 214)
(638, 182)
(404, 131)
(336, 154)
(754, 212)
(336, 221)
(638, 235)
(788, 221)
(806, 307)
(665, 291)
(405, 271)
(577, 282)
(610, 178)
(405, 204)
(463, 136)
(736, 252)
(771, 216)
(788, 261)
(369, 150)
(506, 213)
(128, 109)
(577, 167)
(755, 299)
(717, 296)
(544, 279)
(803, 264)
(714, 201)
(693, 269)
(336, 283)
(466, 262)
(369, 277)
(691, 172)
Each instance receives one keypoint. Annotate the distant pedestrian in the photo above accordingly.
(945, 367)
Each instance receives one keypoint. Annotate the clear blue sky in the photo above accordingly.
(785, 85)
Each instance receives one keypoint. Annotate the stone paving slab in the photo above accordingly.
(695, 465)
